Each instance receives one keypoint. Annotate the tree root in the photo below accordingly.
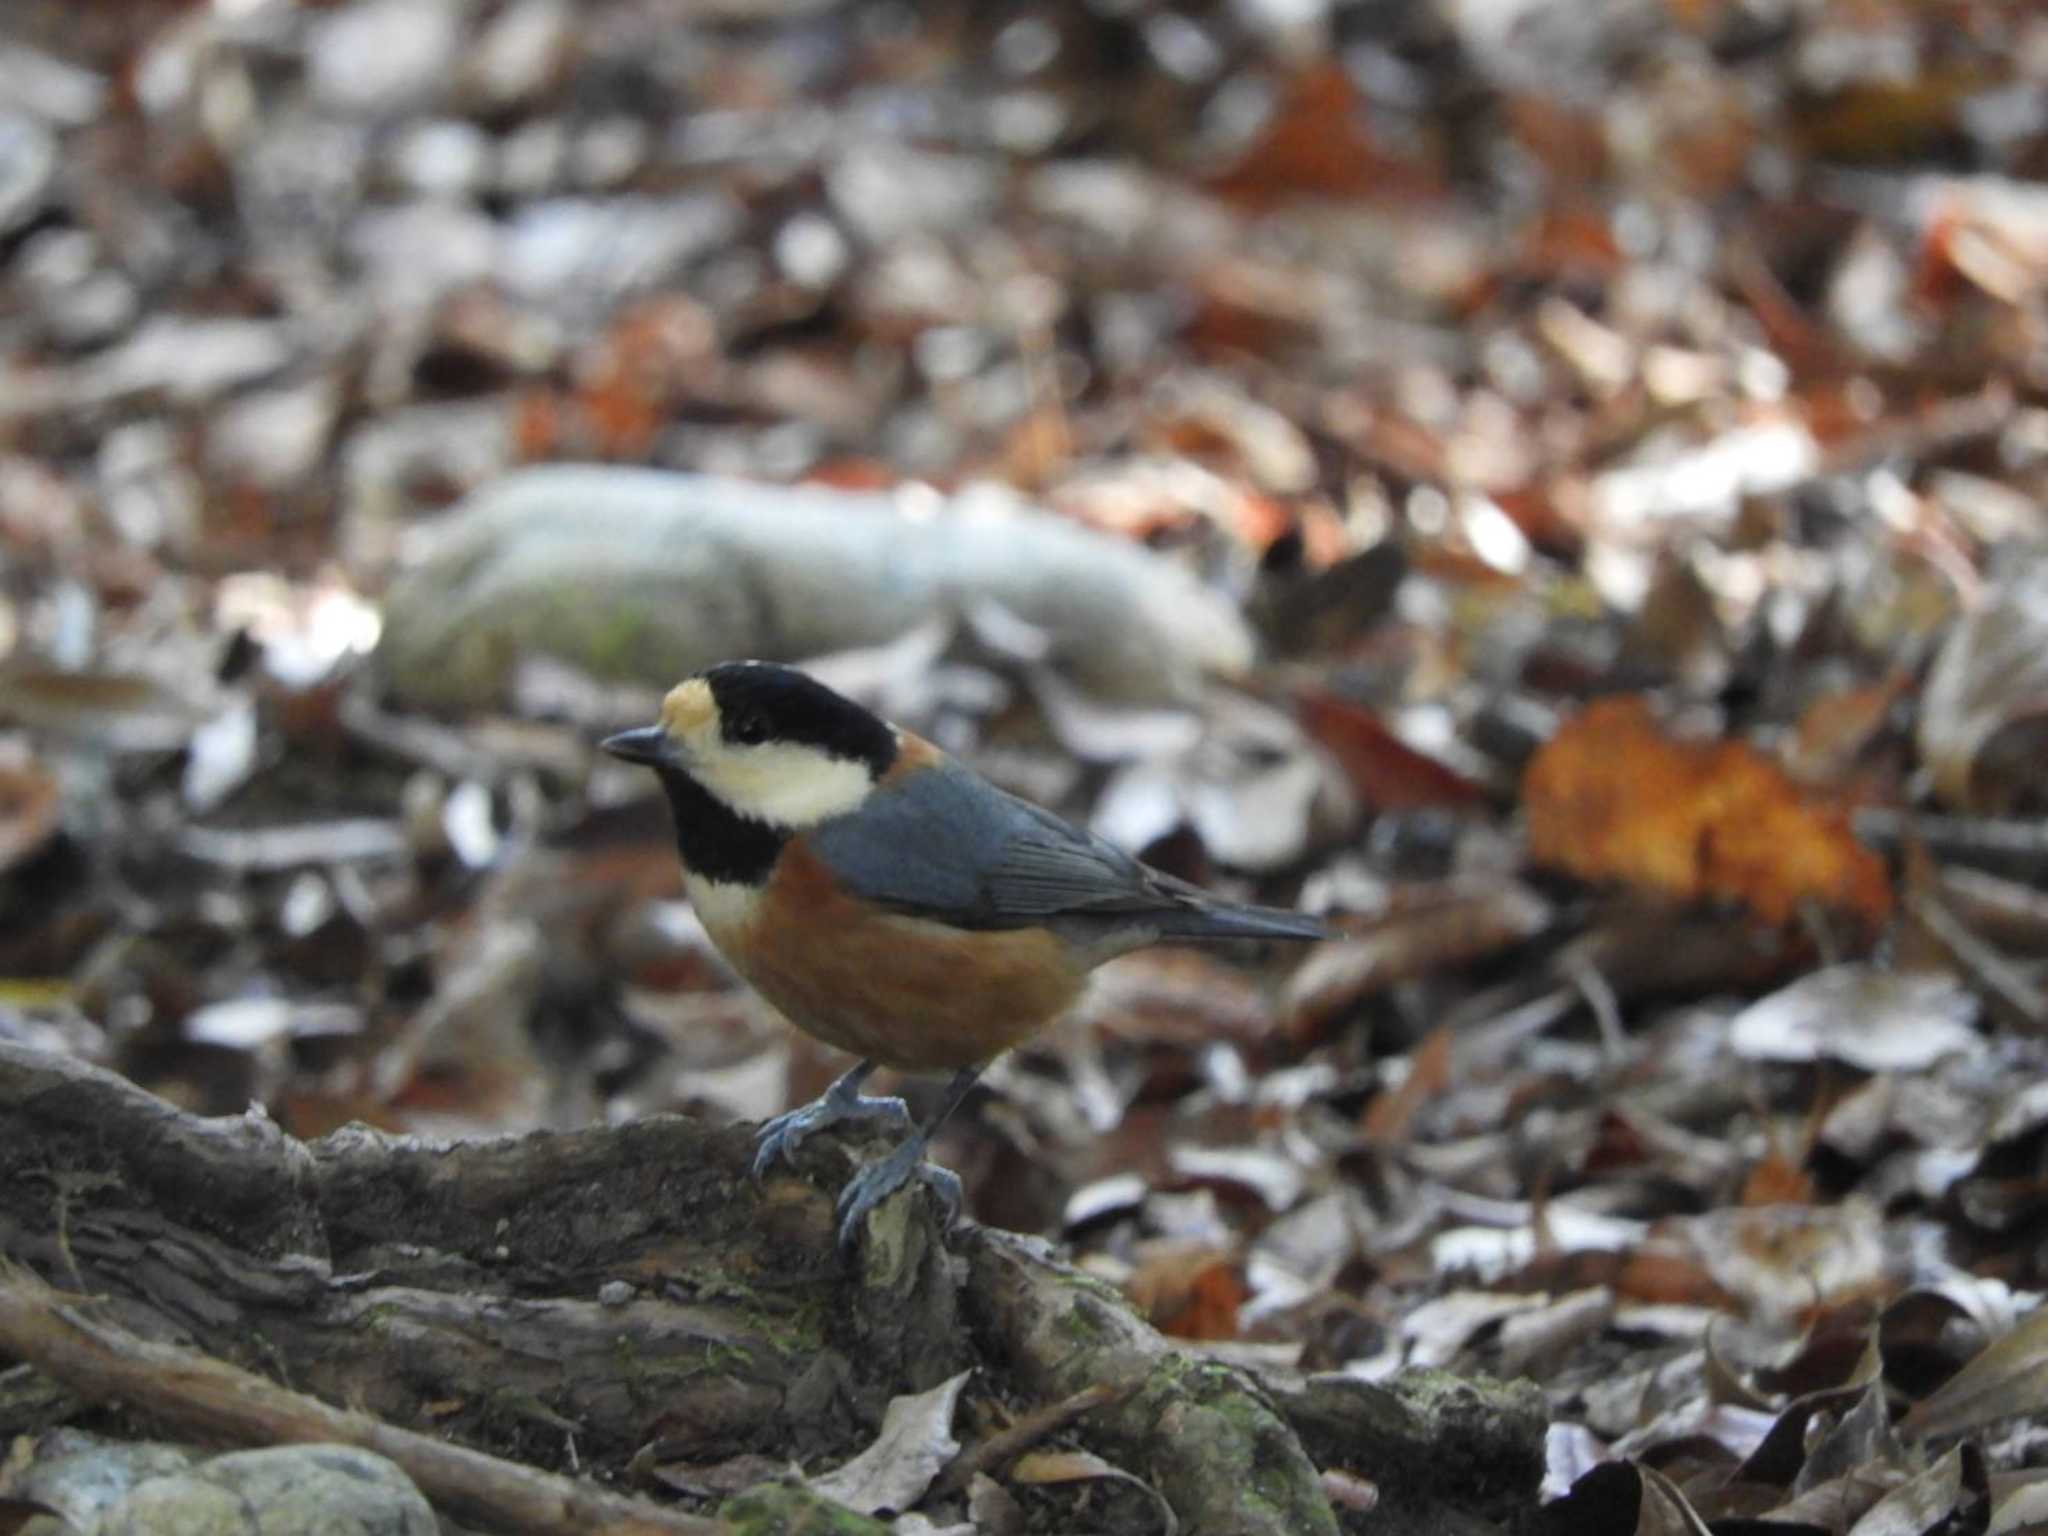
(564, 1300)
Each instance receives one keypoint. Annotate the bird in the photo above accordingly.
(890, 901)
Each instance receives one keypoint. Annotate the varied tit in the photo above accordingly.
(891, 901)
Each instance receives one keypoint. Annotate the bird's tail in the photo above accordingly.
(1215, 920)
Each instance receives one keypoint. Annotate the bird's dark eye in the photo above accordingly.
(748, 729)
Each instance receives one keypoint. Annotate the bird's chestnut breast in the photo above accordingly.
(905, 991)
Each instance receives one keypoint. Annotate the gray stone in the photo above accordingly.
(294, 1490)
(642, 575)
(81, 1475)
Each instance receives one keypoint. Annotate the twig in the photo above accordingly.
(1990, 968)
(1583, 974)
(1978, 840)
(198, 1394)
(1006, 1445)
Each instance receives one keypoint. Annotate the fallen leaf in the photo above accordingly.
(1837, 728)
(1315, 143)
(1612, 797)
(1388, 1117)
(1665, 1510)
(1436, 929)
(2022, 1504)
(1873, 1019)
(1785, 1259)
(1274, 1178)
(1036, 1468)
(1189, 1290)
(1386, 772)
(2009, 1377)
(1776, 1179)
(1929, 1502)
(1181, 997)
(717, 1479)
(1984, 711)
(913, 1447)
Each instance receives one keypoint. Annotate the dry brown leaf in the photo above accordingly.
(1437, 928)
(1837, 728)
(1785, 1259)
(1387, 773)
(1189, 1290)
(1933, 1501)
(1042, 1467)
(1612, 797)
(1179, 997)
(1388, 1117)
(1316, 144)
(1777, 1180)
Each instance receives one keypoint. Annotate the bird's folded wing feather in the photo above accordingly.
(952, 847)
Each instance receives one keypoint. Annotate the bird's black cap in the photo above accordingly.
(761, 701)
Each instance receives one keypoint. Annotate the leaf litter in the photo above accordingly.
(1635, 485)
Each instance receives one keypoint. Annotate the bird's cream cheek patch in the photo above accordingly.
(784, 785)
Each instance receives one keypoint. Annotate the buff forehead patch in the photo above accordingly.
(688, 706)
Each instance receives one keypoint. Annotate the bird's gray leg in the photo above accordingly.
(780, 1137)
(879, 1180)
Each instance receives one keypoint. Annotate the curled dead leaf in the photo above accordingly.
(1984, 712)
(2009, 1377)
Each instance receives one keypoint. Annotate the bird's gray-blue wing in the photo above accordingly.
(948, 845)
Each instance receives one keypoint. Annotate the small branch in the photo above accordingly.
(203, 1396)
(2013, 846)
(1991, 969)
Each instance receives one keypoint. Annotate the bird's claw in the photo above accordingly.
(779, 1138)
(882, 1178)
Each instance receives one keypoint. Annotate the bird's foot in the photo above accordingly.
(779, 1138)
(882, 1178)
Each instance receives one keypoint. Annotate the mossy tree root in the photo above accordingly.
(591, 1299)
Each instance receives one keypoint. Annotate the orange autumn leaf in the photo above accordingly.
(1189, 1291)
(1612, 797)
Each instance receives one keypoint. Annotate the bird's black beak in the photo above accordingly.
(650, 745)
